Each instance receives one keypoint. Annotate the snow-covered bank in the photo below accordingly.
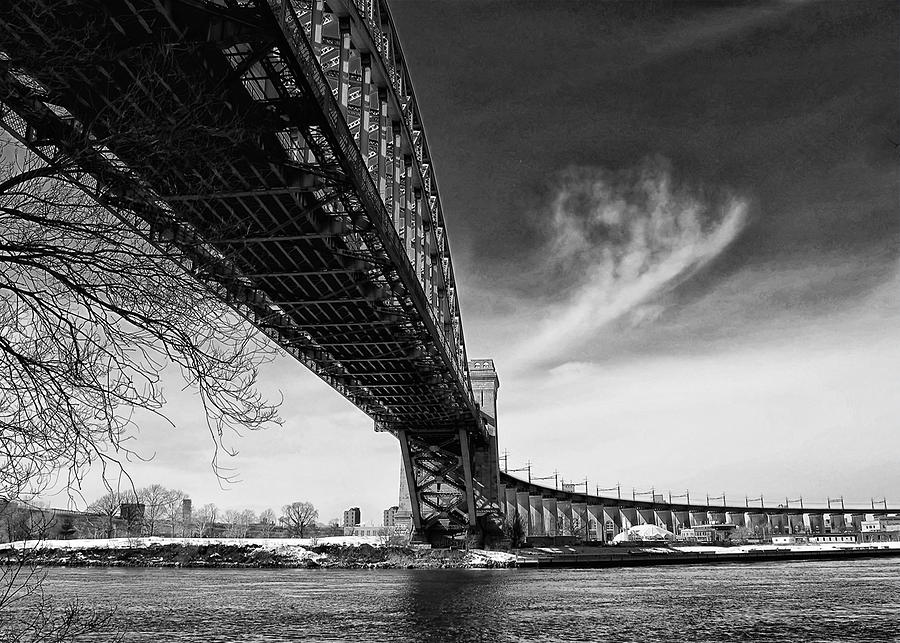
(147, 541)
(800, 547)
(337, 552)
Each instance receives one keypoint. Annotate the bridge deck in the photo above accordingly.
(220, 127)
(648, 505)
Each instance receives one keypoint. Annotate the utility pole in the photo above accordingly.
(527, 468)
(554, 476)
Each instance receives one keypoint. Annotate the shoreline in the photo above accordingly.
(665, 556)
(355, 553)
(339, 553)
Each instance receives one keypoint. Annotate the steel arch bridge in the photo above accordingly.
(276, 148)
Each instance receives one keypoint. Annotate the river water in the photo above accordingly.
(799, 601)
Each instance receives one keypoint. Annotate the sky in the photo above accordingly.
(675, 228)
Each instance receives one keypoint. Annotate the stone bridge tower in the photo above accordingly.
(485, 385)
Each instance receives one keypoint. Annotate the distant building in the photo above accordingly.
(186, 515)
(708, 533)
(789, 540)
(390, 516)
(832, 538)
(876, 530)
(374, 530)
(352, 517)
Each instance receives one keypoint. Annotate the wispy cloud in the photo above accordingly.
(623, 238)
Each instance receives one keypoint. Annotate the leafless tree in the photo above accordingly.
(93, 306)
(204, 518)
(335, 528)
(155, 498)
(298, 517)
(108, 506)
(267, 521)
(92, 303)
(239, 522)
(172, 510)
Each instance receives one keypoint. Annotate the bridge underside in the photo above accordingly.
(277, 154)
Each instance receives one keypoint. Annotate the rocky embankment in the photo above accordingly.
(218, 554)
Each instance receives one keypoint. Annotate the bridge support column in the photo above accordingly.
(856, 520)
(629, 517)
(646, 516)
(581, 521)
(665, 519)
(510, 501)
(596, 522)
(682, 520)
(612, 515)
(467, 472)
(524, 510)
(408, 478)
(778, 523)
(837, 522)
(536, 514)
(814, 523)
(759, 524)
(735, 518)
(551, 519)
(565, 517)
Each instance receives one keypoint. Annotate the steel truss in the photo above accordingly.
(317, 213)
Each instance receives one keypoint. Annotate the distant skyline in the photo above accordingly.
(676, 230)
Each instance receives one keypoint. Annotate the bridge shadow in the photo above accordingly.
(456, 604)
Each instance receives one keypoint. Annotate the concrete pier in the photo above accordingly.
(536, 513)
(523, 508)
(551, 518)
(565, 517)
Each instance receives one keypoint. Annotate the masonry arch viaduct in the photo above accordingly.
(276, 150)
